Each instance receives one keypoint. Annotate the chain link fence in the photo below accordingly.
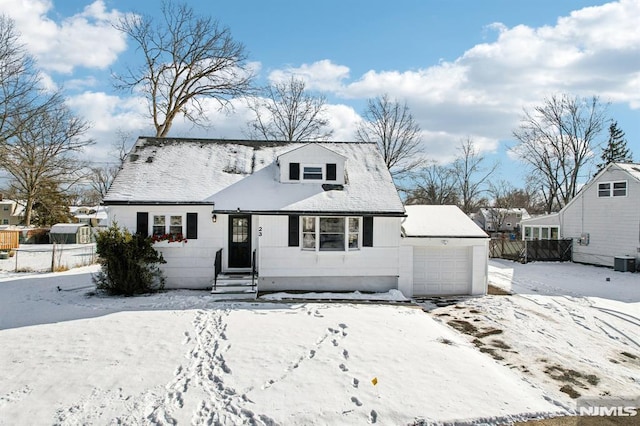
(49, 257)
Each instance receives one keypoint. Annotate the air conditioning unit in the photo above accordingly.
(624, 264)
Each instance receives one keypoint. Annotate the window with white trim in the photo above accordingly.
(334, 233)
(171, 225)
(540, 232)
(612, 189)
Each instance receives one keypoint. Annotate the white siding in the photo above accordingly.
(311, 154)
(440, 266)
(277, 260)
(613, 223)
(189, 265)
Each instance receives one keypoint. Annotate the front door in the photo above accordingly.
(239, 241)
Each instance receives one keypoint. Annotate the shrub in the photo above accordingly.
(129, 263)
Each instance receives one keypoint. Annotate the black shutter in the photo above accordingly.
(294, 171)
(294, 231)
(331, 171)
(367, 231)
(192, 226)
(142, 224)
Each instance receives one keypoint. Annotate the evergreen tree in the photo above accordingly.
(616, 149)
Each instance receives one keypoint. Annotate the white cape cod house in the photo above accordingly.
(320, 216)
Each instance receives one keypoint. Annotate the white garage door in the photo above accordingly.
(441, 271)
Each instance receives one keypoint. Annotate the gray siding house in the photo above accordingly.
(603, 219)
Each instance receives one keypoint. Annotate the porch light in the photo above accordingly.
(214, 217)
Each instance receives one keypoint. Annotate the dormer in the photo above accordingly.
(312, 163)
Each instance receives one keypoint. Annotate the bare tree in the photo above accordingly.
(288, 112)
(471, 175)
(557, 140)
(101, 177)
(435, 184)
(41, 151)
(19, 79)
(391, 125)
(185, 60)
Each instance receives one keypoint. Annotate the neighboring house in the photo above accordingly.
(70, 233)
(603, 219)
(321, 216)
(494, 219)
(445, 250)
(92, 216)
(11, 212)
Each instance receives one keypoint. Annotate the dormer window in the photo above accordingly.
(312, 172)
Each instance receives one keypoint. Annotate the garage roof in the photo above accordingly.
(439, 221)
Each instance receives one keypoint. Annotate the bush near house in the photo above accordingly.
(129, 263)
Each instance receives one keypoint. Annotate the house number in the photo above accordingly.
(260, 231)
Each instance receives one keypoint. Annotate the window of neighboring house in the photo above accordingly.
(312, 172)
(5, 221)
(331, 233)
(612, 189)
(604, 189)
(620, 189)
(527, 232)
(5, 208)
(174, 225)
(544, 233)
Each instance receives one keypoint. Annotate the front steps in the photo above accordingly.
(233, 287)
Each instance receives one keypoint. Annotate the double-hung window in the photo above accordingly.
(167, 225)
(331, 233)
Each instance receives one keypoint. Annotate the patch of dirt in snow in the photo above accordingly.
(569, 346)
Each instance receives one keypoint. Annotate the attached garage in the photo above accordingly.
(443, 252)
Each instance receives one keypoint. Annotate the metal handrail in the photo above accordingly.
(217, 268)
(254, 270)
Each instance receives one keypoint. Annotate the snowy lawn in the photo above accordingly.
(70, 358)
(572, 329)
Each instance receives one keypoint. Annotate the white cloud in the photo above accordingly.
(85, 39)
(322, 75)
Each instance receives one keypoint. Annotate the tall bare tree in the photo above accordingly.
(392, 126)
(557, 140)
(41, 151)
(19, 78)
(435, 184)
(286, 111)
(471, 174)
(101, 177)
(185, 59)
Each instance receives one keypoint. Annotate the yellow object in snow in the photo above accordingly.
(374, 381)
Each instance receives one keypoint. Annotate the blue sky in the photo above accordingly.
(465, 68)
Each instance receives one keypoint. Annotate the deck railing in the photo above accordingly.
(254, 270)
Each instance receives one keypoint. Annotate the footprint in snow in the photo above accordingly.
(312, 353)
(335, 342)
(356, 401)
(373, 416)
(343, 367)
(355, 382)
(345, 354)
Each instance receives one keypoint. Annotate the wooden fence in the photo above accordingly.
(526, 251)
(9, 239)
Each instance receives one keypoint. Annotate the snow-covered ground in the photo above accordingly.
(72, 358)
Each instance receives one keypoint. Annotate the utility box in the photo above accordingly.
(624, 264)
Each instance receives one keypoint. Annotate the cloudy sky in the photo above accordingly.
(465, 68)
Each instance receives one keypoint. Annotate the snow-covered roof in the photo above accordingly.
(631, 168)
(547, 219)
(244, 175)
(66, 228)
(439, 221)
